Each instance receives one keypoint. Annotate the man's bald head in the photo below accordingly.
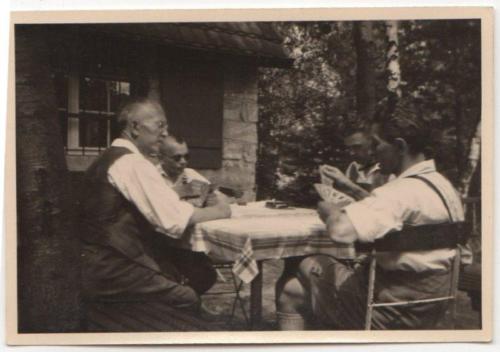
(143, 122)
(137, 109)
(174, 155)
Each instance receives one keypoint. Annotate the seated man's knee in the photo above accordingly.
(291, 296)
(313, 266)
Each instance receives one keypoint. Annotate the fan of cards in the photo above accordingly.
(331, 195)
(328, 193)
(195, 191)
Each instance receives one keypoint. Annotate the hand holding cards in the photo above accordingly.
(331, 195)
(331, 175)
(195, 192)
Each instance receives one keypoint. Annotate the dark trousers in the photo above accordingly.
(109, 276)
(337, 295)
(189, 268)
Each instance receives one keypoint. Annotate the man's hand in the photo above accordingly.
(219, 210)
(211, 200)
(343, 182)
(338, 226)
(221, 202)
(337, 176)
(325, 209)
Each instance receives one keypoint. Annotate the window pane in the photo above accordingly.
(93, 131)
(118, 91)
(93, 94)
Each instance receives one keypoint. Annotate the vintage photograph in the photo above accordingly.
(249, 176)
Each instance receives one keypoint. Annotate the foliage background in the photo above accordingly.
(306, 110)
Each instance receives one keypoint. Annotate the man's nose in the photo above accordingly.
(164, 132)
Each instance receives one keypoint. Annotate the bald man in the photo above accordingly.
(193, 268)
(126, 201)
(174, 159)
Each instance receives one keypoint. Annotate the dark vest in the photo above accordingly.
(108, 219)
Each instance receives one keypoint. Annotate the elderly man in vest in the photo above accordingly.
(125, 201)
(331, 294)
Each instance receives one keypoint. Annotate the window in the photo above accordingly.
(87, 107)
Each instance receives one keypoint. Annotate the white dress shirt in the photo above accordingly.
(188, 175)
(139, 181)
(407, 201)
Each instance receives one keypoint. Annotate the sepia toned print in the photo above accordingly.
(321, 174)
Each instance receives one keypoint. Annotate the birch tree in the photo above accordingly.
(472, 162)
(393, 69)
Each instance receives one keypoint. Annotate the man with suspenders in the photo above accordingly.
(328, 293)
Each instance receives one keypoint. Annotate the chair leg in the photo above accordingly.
(371, 287)
(239, 299)
(454, 288)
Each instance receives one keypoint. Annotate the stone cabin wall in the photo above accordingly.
(240, 117)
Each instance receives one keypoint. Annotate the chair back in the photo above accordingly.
(418, 238)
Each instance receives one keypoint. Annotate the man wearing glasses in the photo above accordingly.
(126, 207)
(174, 155)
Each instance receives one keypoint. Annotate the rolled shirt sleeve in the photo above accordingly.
(375, 216)
(140, 182)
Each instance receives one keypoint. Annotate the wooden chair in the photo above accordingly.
(426, 237)
(470, 275)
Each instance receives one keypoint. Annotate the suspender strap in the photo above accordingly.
(431, 185)
(417, 238)
(421, 237)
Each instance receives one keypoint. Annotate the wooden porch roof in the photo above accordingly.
(256, 40)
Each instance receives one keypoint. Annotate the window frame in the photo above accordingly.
(73, 113)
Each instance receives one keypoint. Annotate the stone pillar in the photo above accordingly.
(239, 129)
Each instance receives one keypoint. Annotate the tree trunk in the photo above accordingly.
(472, 162)
(392, 63)
(48, 253)
(365, 72)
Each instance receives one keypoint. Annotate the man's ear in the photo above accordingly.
(134, 129)
(401, 145)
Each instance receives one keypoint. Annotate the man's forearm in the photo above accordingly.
(355, 191)
(210, 213)
(339, 227)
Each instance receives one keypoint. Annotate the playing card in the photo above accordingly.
(195, 192)
(324, 179)
(330, 194)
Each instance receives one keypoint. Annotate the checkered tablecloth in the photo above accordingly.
(255, 233)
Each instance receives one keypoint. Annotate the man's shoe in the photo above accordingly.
(209, 315)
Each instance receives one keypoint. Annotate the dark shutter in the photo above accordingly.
(192, 95)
